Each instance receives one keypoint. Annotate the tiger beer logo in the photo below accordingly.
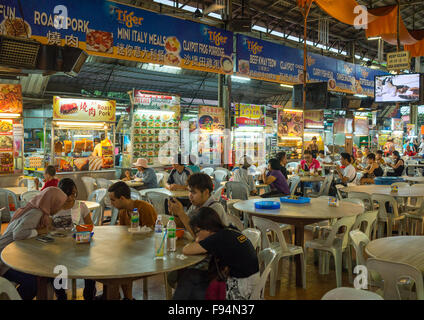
(254, 47)
(242, 238)
(129, 19)
(217, 38)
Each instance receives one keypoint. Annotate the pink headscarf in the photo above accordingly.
(49, 200)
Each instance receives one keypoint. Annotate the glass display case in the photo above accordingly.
(82, 146)
(250, 141)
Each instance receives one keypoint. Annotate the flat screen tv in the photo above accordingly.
(316, 96)
(398, 88)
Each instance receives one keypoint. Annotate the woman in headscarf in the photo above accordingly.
(30, 221)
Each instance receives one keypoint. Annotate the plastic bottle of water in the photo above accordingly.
(172, 237)
(159, 240)
(135, 221)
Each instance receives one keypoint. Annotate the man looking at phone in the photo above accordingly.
(347, 174)
(200, 186)
(191, 283)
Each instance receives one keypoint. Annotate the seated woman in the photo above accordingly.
(398, 165)
(232, 252)
(126, 176)
(309, 164)
(360, 161)
(275, 179)
(373, 170)
(28, 222)
(64, 219)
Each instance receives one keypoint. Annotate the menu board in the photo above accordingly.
(211, 124)
(290, 124)
(151, 132)
(249, 115)
(6, 146)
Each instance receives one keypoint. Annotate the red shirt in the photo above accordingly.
(314, 165)
(410, 153)
(51, 183)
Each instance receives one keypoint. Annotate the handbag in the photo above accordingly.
(217, 288)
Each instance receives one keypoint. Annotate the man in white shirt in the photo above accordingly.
(241, 174)
(421, 147)
(348, 173)
(323, 159)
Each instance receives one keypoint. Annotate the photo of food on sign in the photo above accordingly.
(68, 108)
(227, 64)
(6, 142)
(10, 98)
(173, 49)
(6, 126)
(99, 41)
(244, 67)
(290, 124)
(15, 27)
(205, 122)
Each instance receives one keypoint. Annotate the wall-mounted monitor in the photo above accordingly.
(399, 88)
(316, 96)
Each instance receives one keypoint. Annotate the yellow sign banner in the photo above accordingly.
(84, 109)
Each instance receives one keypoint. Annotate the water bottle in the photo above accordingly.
(159, 239)
(135, 221)
(172, 237)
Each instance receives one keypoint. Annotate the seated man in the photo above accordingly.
(177, 179)
(323, 159)
(192, 282)
(241, 174)
(348, 173)
(120, 198)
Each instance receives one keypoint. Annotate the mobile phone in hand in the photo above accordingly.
(45, 239)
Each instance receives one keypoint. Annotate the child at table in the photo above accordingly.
(64, 219)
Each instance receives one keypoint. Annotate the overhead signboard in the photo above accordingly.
(269, 61)
(113, 30)
(399, 60)
(84, 109)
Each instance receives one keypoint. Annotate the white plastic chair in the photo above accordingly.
(8, 291)
(344, 293)
(293, 184)
(324, 189)
(219, 176)
(159, 178)
(335, 244)
(282, 249)
(359, 240)
(236, 190)
(365, 197)
(89, 184)
(235, 221)
(394, 272)
(157, 200)
(254, 235)
(266, 261)
(5, 196)
(217, 193)
(208, 171)
(385, 218)
(98, 196)
(414, 220)
(366, 222)
(103, 183)
(414, 203)
(27, 196)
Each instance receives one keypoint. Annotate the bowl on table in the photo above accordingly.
(179, 233)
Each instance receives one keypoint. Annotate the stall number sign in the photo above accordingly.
(398, 60)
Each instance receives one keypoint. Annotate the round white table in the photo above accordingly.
(113, 257)
(176, 193)
(131, 184)
(301, 215)
(404, 249)
(413, 179)
(404, 192)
